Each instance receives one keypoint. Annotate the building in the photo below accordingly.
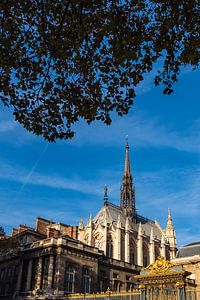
(106, 253)
(189, 257)
(124, 235)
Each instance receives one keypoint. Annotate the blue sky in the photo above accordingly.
(64, 181)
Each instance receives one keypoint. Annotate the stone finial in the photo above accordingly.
(81, 225)
(140, 229)
(119, 223)
(127, 225)
(105, 194)
(163, 239)
(90, 221)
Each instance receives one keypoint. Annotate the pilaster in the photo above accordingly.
(152, 248)
(118, 239)
(127, 241)
(163, 247)
(140, 246)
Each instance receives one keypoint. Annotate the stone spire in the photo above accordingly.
(105, 194)
(171, 235)
(127, 195)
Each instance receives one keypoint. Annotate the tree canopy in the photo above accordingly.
(63, 60)
(2, 232)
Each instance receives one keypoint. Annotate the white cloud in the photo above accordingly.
(143, 131)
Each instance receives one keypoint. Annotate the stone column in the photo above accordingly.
(127, 246)
(29, 275)
(140, 246)
(50, 273)
(118, 239)
(163, 248)
(127, 241)
(19, 278)
(152, 248)
(90, 231)
(39, 274)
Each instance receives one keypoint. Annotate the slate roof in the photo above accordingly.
(111, 212)
(189, 250)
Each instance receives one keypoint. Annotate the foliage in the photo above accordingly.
(62, 60)
(2, 232)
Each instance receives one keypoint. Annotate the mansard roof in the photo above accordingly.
(111, 212)
(189, 250)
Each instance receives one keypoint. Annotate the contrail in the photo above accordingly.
(32, 170)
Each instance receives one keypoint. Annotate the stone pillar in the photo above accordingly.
(127, 246)
(152, 248)
(39, 274)
(19, 278)
(127, 240)
(172, 252)
(50, 273)
(29, 275)
(90, 230)
(163, 247)
(118, 239)
(140, 247)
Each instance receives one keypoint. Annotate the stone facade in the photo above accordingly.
(124, 235)
(189, 257)
(61, 265)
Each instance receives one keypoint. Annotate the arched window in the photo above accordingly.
(157, 252)
(86, 280)
(133, 253)
(69, 279)
(109, 250)
(145, 255)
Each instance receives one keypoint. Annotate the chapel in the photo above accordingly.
(122, 234)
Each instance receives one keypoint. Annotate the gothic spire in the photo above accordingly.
(127, 195)
(105, 194)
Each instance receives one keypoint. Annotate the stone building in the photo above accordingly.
(48, 260)
(189, 257)
(55, 258)
(124, 235)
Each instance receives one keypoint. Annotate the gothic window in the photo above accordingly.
(86, 280)
(109, 249)
(145, 255)
(122, 248)
(69, 279)
(157, 252)
(133, 253)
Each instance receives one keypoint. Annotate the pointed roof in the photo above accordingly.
(127, 195)
(169, 220)
(127, 169)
